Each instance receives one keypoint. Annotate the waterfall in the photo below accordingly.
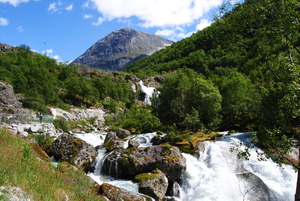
(217, 174)
(148, 92)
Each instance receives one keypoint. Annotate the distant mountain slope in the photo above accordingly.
(120, 48)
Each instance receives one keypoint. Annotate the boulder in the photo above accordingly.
(114, 193)
(133, 143)
(154, 184)
(14, 193)
(125, 164)
(112, 141)
(39, 152)
(73, 150)
(253, 187)
(122, 133)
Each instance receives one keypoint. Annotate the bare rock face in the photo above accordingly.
(7, 96)
(73, 150)
(154, 184)
(126, 164)
(120, 48)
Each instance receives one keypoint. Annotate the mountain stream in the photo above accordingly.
(216, 173)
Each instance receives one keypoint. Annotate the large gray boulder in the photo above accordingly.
(154, 184)
(122, 133)
(73, 150)
(112, 141)
(126, 164)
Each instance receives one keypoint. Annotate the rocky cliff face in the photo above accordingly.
(120, 48)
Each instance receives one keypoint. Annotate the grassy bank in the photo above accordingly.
(19, 167)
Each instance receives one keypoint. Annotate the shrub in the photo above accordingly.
(61, 123)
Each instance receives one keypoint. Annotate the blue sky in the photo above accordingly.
(64, 29)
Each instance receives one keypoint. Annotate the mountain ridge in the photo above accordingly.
(120, 48)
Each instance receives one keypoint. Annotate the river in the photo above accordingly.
(216, 173)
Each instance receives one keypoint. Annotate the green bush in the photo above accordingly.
(61, 123)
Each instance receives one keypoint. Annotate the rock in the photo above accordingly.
(14, 194)
(253, 188)
(122, 133)
(154, 184)
(39, 152)
(61, 195)
(112, 141)
(80, 114)
(125, 164)
(133, 143)
(7, 96)
(114, 193)
(73, 150)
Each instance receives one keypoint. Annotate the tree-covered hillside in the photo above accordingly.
(251, 55)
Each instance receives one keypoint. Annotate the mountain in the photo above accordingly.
(120, 48)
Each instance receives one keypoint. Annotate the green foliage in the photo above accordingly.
(26, 151)
(183, 91)
(61, 123)
(140, 119)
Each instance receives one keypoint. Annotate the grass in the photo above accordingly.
(20, 168)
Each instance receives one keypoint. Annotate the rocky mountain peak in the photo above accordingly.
(120, 48)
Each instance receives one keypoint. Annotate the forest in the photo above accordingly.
(240, 73)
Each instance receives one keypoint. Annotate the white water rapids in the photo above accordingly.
(217, 174)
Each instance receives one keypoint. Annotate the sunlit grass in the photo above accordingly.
(20, 168)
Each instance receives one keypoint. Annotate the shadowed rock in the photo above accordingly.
(125, 164)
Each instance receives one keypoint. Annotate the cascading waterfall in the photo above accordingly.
(217, 174)
(148, 92)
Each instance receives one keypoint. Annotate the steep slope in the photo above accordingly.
(120, 48)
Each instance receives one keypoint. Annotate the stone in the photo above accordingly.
(122, 133)
(112, 141)
(73, 150)
(133, 143)
(125, 164)
(114, 193)
(154, 184)
(14, 194)
(38, 151)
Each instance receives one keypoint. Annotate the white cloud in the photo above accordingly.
(86, 16)
(70, 7)
(155, 13)
(174, 34)
(52, 7)
(99, 21)
(20, 29)
(3, 21)
(47, 52)
(56, 57)
(59, 7)
(203, 23)
(13, 2)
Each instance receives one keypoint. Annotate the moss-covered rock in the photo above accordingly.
(73, 150)
(125, 164)
(154, 184)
